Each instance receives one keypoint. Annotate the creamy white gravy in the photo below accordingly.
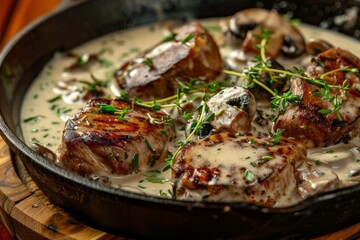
(43, 120)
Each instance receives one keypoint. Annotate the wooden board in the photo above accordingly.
(28, 214)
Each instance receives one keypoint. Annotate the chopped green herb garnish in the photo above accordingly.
(110, 155)
(168, 193)
(169, 37)
(85, 118)
(249, 175)
(154, 179)
(148, 145)
(83, 59)
(149, 62)
(34, 119)
(124, 96)
(187, 38)
(276, 136)
(54, 99)
(213, 28)
(34, 139)
(105, 63)
(113, 110)
(135, 162)
(261, 161)
(295, 21)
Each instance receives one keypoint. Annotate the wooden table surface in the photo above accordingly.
(28, 214)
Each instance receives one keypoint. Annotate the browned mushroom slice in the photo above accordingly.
(237, 107)
(293, 42)
(237, 26)
(273, 23)
(245, 28)
(315, 46)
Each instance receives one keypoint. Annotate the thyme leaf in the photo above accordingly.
(276, 136)
(105, 108)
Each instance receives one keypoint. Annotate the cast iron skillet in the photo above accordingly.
(131, 214)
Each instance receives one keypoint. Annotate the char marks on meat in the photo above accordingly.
(191, 53)
(227, 167)
(303, 119)
(99, 142)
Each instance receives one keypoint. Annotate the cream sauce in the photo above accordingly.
(43, 115)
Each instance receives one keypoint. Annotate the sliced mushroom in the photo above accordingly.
(268, 79)
(271, 23)
(237, 108)
(315, 46)
(294, 43)
(244, 28)
(316, 181)
(237, 26)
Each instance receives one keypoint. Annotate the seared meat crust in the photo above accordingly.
(227, 167)
(98, 142)
(304, 121)
(192, 53)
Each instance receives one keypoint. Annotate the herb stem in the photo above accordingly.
(147, 105)
(173, 97)
(342, 69)
(308, 79)
(188, 139)
(254, 80)
(263, 50)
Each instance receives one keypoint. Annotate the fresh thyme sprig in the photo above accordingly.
(185, 89)
(106, 108)
(276, 136)
(280, 102)
(300, 74)
(95, 83)
(204, 109)
(168, 120)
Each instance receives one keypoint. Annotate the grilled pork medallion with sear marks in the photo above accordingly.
(190, 52)
(113, 137)
(228, 167)
(306, 121)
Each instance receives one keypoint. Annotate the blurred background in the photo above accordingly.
(16, 14)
